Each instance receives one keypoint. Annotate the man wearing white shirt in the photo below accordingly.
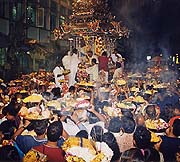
(58, 74)
(93, 70)
(117, 58)
(74, 61)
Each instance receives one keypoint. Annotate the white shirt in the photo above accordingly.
(58, 71)
(116, 57)
(93, 70)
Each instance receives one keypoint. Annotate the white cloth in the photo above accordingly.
(118, 73)
(74, 61)
(72, 129)
(93, 71)
(58, 71)
(66, 60)
(116, 57)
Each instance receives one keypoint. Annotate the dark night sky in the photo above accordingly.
(154, 25)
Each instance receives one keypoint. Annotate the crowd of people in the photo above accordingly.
(91, 109)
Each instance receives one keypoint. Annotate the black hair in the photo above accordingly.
(151, 155)
(54, 131)
(82, 134)
(127, 112)
(94, 61)
(176, 106)
(75, 51)
(10, 109)
(104, 53)
(9, 153)
(7, 128)
(118, 65)
(142, 137)
(128, 124)
(115, 125)
(56, 92)
(151, 111)
(132, 155)
(110, 140)
(97, 133)
(40, 127)
(47, 95)
(72, 88)
(176, 127)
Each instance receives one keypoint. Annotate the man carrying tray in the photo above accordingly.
(58, 74)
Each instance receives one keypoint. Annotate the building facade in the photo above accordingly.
(26, 26)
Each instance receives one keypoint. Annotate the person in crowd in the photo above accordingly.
(58, 73)
(66, 60)
(151, 155)
(170, 144)
(110, 140)
(93, 70)
(118, 73)
(133, 154)
(97, 133)
(82, 134)
(12, 121)
(103, 64)
(74, 61)
(117, 58)
(140, 121)
(89, 57)
(9, 153)
(125, 141)
(175, 112)
(26, 142)
(142, 137)
(56, 93)
(51, 149)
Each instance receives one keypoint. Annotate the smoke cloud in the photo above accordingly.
(154, 25)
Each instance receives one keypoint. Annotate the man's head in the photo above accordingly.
(40, 127)
(54, 131)
(128, 124)
(75, 51)
(176, 127)
(94, 61)
(176, 109)
(115, 125)
(142, 137)
(90, 53)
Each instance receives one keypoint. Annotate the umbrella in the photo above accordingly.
(33, 98)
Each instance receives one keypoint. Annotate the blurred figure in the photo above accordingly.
(132, 155)
(9, 153)
(58, 74)
(93, 70)
(142, 137)
(103, 64)
(110, 140)
(74, 61)
(171, 143)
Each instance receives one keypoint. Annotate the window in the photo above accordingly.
(2, 56)
(53, 21)
(53, 6)
(31, 14)
(16, 11)
(4, 8)
(63, 10)
(40, 17)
